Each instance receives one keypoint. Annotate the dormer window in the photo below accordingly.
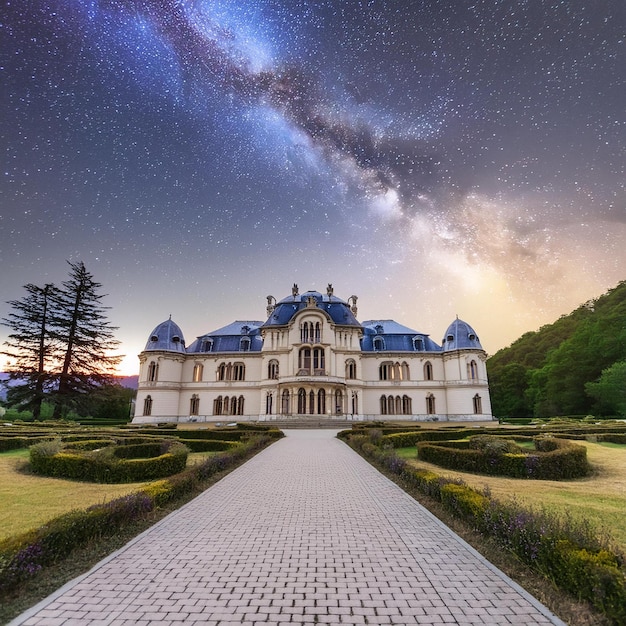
(154, 338)
(176, 339)
(450, 338)
(418, 344)
(379, 343)
(472, 337)
(244, 344)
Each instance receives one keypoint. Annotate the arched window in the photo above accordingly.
(301, 401)
(407, 408)
(198, 369)
(304, 360)
(406, 373)
(311, 401)
(272, 370)
(478, 404)
(194, 405)
(428, 371)
(385, 371)
(318, 332)
(231, 371)
(239, 406)
(338, 402)
(269, 403)
(472, 370)
(319, 361)
(284, 409)
(379, 344)
(153, 371)
(391, 405)
(383, 405)
(321, 402)
(430, 404)
(147, 406)
(233, 406)
(239, 371)
(217, 406)
(350, 369)
(226, 406)
(355, 403)
(398, 405)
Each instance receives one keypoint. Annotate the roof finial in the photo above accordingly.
(170, 317)
(294, 290)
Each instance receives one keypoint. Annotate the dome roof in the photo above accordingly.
(460, 336)
(338, 310)
(166, 336)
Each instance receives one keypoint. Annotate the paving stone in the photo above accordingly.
(306, 532)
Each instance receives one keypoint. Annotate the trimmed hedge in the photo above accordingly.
(209, 445)
(570, 554)
(404, 440)
(111, 464)
(554, 459)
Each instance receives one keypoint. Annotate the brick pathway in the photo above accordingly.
(305, 533)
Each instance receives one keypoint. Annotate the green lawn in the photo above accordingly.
(599, 498)
(27, 501)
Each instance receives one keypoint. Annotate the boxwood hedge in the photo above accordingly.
(553, 459)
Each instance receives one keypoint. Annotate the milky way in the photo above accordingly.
(436, 157)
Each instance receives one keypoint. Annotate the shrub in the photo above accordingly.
(209, 445)
(463, 501)
(493, 445)
(555, 459)
(105, 466)
(570, 553)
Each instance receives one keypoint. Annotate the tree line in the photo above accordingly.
(575, 366)
(59, 345)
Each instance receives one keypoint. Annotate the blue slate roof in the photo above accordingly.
(338, 309)
(388, 335)
(377, 335)
(166, 336)
(459, 336)
(240, 336)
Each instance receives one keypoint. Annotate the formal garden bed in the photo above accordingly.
(568, 551)
(25, 556)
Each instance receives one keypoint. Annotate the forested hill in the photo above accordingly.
(575, 366)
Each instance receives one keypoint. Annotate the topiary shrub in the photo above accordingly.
(554, 459)
(494, 445)
(105, 465)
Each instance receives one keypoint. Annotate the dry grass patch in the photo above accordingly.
(599, 498)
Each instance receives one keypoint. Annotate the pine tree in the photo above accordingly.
(81, 328)
(31, 348)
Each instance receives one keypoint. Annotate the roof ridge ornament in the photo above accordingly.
(353, 299)
(271, 305)
(329, 290)
(294, 290)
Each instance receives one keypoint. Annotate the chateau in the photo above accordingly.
(311, 357)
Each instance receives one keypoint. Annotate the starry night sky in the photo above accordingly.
(433, 157)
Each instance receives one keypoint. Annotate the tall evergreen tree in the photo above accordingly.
(31, 348)
(87, 338)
